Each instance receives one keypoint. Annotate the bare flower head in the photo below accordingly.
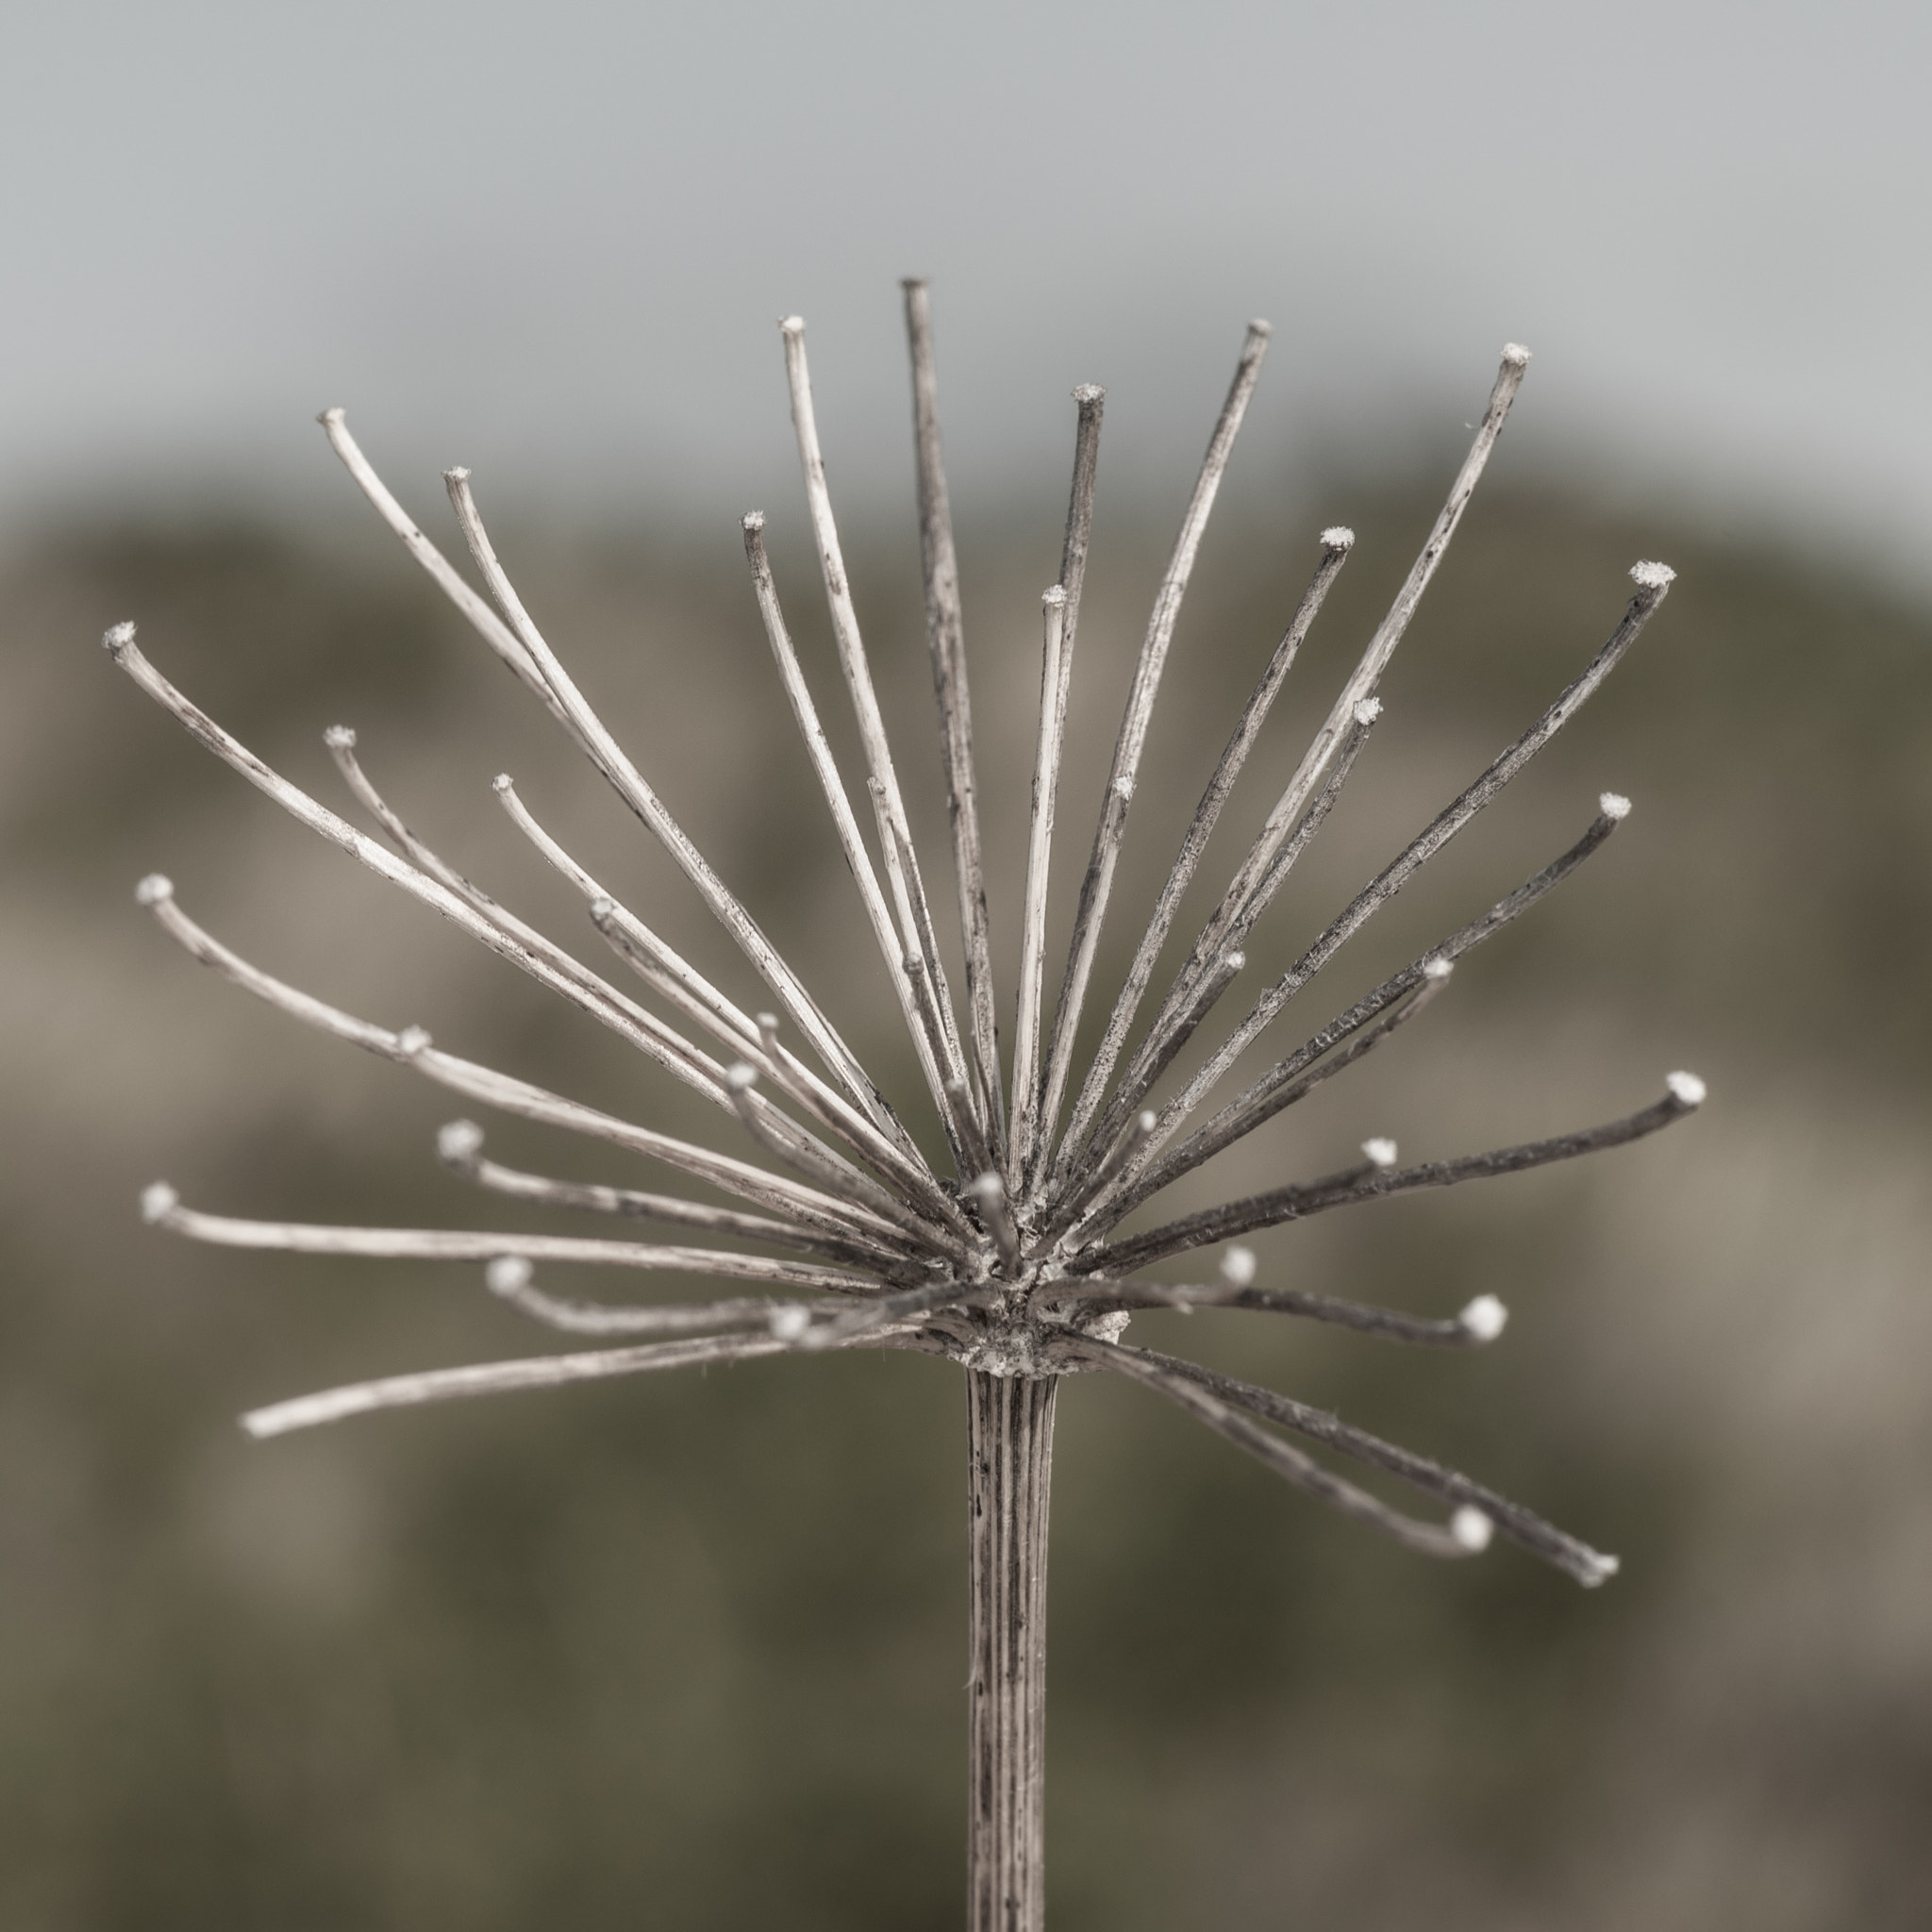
(1021, 1251)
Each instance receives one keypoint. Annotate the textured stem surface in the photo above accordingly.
(1009, 1446)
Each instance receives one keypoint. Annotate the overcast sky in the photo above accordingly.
(553, 241)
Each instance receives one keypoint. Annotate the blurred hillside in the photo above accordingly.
(688, 1652)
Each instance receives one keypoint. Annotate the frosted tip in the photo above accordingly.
(1368, 710)
(1238, 1267)
(1380, 1152)
(1338, 537)
(1439, 968)
(340, 737)
(1687, 1087)
(1485, 1318)
(1053, 597)
(1233, 962)
(790, 1322)
(157, 1201)
(765, 1023)
(1088, 392)
(1261, 327)
(793, 325)
(602, 907)
(332, 417)
(507, 1275)
(458, 473)
(117, 640)
(740, 1077)
(1613, 804)
(1146, 1120)
(1601, 1569)
(752, 520)
(1471, 1528)
(503, 782)
(1515, 355)
(1653, 576)
(412, 1041)
(458, 1139)
(986, 1187)
(156, 890)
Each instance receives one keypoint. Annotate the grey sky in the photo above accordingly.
(552, 241)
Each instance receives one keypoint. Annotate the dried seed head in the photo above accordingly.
(1485, 1318)
(507, 1275)
(1238, 1267)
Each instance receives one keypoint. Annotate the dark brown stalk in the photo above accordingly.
(1009, 1472)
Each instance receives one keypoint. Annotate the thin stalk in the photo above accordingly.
(1009, 1473)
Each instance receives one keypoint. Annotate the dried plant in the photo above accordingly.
(1015, 1265)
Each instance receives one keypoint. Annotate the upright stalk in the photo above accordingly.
(1009, 1452)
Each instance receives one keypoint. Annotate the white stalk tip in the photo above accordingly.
(507, 1275)
(458, 1139)
(1147, 1121)
(788, 1322)
(1088, 392)
(740, 1077)
(1471, 1528)
(156, 890)
(1368, 710)
(752, 520)
(503, 782)
(1380, 1152)
(458, 472)
(1238, 1267)
(1485, 1318)
(1515, 354)
(793, 325)
(1687, 1087)
(412, 1041)
(1056, 595)
(1438, 968)
(340, 737)
(1601, 1569)
(1651, 577)
(986, 1187)
(118, 638)
(157, 1201)
(1338, 537)
(1613, 804)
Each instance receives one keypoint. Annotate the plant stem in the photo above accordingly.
(1009, 1440)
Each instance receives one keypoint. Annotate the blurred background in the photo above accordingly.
(690, 1653)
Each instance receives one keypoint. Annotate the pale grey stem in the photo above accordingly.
(647, 1034)
(1010, 1473)
(1047, 772)
(625, 778)
(1464, 1331)
(1522, 1527)
(340, 741)
(1098, 883)
(1235, 1218)
(441, 573)
(1375, 659)
(163, 1209)
(907, 889)
(848, 1323)
(946, 636)
(1281, 1085)
(989, 1190)
(927, 945)
(1653, 580)
(1179, 1007)
(1285, 858)
(1090, 400)
(1336, 543)
(540, 1371)
(458, 1144)
(975, 1145)
(824, 1104)
(1073, 1205)
(821, 1167)
(412, 1048)
(891, 944)
(509, 1279)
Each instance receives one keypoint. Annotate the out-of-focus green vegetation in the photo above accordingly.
(688, 1652)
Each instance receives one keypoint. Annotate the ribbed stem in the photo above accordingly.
(1009, 1444)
